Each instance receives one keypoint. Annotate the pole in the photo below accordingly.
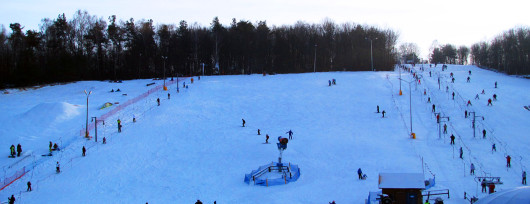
(86, 126)
(410, 107)
(315, 62)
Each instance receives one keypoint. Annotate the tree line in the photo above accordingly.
(88, 47)
(508, 52)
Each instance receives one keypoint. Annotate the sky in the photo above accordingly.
(418, 21)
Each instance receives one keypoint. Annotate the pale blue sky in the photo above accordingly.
(459, 22)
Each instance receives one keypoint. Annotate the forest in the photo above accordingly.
(88, 47)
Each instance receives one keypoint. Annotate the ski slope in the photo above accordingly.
(193, 146)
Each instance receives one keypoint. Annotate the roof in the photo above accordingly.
(401, 180)
(514, 195)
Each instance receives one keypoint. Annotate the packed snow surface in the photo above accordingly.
(193, 146)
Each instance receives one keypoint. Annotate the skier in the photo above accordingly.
(453, 95)
(168, 96)
(383, 113)
(468, 79)
(469, 103)
(461, 153)
(259, 132)
(198, 202)
(453, 80)
(119, 125)
(332, 202)
(19, 150)
(243, 122)
(489, 102)
(472, 169)
(334, 82)
(433, 108)
(491, 188)
(158, 101)
(192, 80)
(451, 74)
(430, 75)
(484, 133)
(55, 147)
(360, 173)
(452, 139)
(11, 199)
(290, 134)
(445, 128)
(134, 118)
(329, 82)
(437, 118)
(29, 186)
(483, 92)
(495, 84)
(84, 151)
(469, 72)
(50, 146)
(427, 202)
(377, 108)
(524, 178)
(465, 113)
(12, 149)
(494, 97)
(493, 148)
(508, 159)
(267, 138)
(483, 184)
(58, 168)
(476, 97)
(104, 140)
(429, 100)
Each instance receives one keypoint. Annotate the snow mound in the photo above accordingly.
(52, 112)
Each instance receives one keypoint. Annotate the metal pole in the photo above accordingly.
(410, 107)
(315, 62)
(86, 126)
(96, 127)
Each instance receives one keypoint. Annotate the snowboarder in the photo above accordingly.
(489, 102)
(158, 101)
(433, 108)
(243, 122)
(445, 128)
(472, 172)
(469, 103)
(494, 97)
(267, 138)
(84, 151)
(168, 96)
(461, 153)
(360, 173)
(483, 184)
(453, 95)
(452, 139)
(524, 178)
(58, 168)
(383, 113)
(290, 134)
(29, 186)
(19, 150)
(508, 159)
(259, 133)
(484, 134)
(11, 199)
(119, 125)
(493, 148)
(12, 149)
(468, 79)
(495, 84)
(465, 113)
(377, 108)
(104, 140)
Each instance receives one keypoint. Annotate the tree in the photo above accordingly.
(462, 54)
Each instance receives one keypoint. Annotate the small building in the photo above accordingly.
(402, 187)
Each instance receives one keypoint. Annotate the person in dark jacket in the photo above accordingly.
(452, 139)
(29, 186)
(19, 150)
(12, 150)
(84, 151)
(360, 173)
(243, 122)
(11, 199)
(524, 178)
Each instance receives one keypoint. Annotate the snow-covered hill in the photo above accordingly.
(193, 147)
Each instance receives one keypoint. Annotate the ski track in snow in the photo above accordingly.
(193, 147)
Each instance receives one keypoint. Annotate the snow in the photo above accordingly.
(401, 180)
(193, 147)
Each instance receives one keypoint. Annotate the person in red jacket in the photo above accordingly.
(508, 159)
(489, 102)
